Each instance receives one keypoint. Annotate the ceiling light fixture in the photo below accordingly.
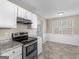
(60, 13)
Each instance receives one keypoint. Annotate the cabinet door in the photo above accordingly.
(15, 53)
(29, 15)
(34, 21)
(22, 13)
(39, 45)
(17, 57)
(8, 13)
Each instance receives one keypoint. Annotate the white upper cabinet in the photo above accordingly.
(34, 21)
(28, 15)
(8, 13)
(24, 13)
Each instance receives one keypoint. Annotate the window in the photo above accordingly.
(63, 26)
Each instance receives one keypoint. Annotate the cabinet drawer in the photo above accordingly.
(13, 52)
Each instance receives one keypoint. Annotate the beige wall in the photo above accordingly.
(49, 26)
(75, 29)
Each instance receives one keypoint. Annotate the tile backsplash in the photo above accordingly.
(6, 33)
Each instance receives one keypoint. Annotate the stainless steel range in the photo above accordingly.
(29, 48)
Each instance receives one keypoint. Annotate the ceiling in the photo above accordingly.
(50, 8)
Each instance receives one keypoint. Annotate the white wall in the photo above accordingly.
(67, 39)
(45, 37)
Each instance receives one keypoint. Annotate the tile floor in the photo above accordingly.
(52, 50)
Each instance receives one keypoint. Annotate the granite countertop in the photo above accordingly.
(7, 45)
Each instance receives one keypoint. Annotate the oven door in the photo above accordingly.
(30, 50)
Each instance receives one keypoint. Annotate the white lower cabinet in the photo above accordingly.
(16, 53)
(16, 57)
(39, 45)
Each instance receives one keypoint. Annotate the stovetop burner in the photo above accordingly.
(22, 37)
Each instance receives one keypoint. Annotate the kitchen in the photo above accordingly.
(31, 29)
(11, 23)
